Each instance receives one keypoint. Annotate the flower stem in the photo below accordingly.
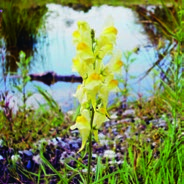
(90, 148)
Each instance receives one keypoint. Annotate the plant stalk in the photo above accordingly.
(90, 148)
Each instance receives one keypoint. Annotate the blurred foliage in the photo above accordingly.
(162, 21)
(38, 124)
(22, 128)
(19, 28)
(164, 26)
(20, 25)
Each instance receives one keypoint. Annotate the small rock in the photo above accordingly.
(118, 137)
(84, 170)
(73, 145)
(75, 132)
(70, 113)
(113, 123)
(37, 159)
(107, 125)
(63, 145)
(112, 162)
(40, 143)
(114, 116)
(28, 154)
(102, 139)
(94, 156)
(15, 158)
(58, 139)
(161, 123)
(20, 152)
(101, 136)
(127, 132)
(109, 154)
(53, 142)
(120, 162)
(154, 121)
(129, 113)
(126, 120)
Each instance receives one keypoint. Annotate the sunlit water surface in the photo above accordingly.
(54, 51)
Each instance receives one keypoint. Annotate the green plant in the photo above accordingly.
(125, 88)
(163, 164)
(98, 80)
(165, 31)
(27, 125)
(23, 65)
(173, 92)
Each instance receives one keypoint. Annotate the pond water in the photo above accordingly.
(54, 50)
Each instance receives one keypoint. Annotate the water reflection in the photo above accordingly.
(161, 24)
(61, 22)
(55, 51)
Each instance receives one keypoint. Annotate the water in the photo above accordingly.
(54, 49)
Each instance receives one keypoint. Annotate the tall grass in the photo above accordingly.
(20, 25)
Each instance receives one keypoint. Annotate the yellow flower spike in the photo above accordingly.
(92, 97)
(98, 78)
(108, 86)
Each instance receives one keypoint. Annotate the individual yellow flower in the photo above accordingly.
(93, 81)
(81, 94)
(115, 64)
(100, 117)
(83, 124)
(82, 67)
(85, 53)
(82, 34)
(113, 84)
(104, 50)
(107, 37)
(108, 86)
